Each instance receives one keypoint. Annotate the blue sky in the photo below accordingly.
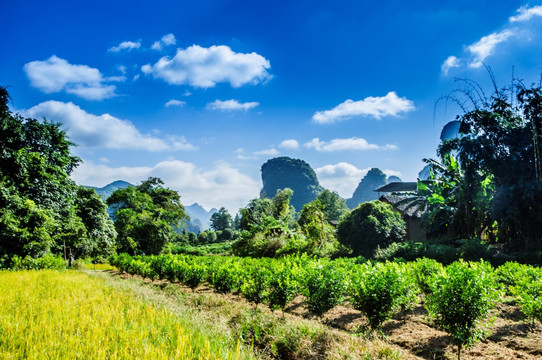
(202, 93)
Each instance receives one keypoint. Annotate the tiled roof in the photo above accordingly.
(403, 205)
(398, 187)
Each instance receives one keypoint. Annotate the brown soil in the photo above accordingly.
(509, 337)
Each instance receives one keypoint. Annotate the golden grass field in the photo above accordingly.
(70, 315)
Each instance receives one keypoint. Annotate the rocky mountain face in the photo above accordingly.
(285, 172)
(365, 191)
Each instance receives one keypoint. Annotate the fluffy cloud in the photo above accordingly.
(289, 144)
(230, 105)
(166, 40)
(125, 45)
(175, 102)
(222, 185)
(205, 67)
(517, 27)
(526, 13)
(344, 177)
(56, 74)
(377, 107)
(102, 130)
(267, 152)
(485, 47)
(353, 143)
(450, 62)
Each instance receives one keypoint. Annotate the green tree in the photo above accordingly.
(370, 225)
(221, 220)
(501, 139)
(333, 206)
(40, 209)
(460, 299)
(100, 229)
(320, 235)
(146, 216)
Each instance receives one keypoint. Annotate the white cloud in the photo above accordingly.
(102, 130)
(267, 152)
(125, 45)
(390, 172)
(353, 143)
(166, 40)
(230, 105)
(175, 102)
(485, 47)
(205, 67)
(526, 13)
(450, 62)
(222, 185)
(289, 144)
(377, 107)
(56, 74)
(342, 177)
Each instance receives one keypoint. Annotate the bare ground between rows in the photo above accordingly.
(510, 337)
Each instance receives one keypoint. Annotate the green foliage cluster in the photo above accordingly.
(461, 297)
(524, 282)
(42, 211)
(325, 287)
(458, 297)
(381, 290)
(489, 182)
(372, 224)
(47, 261)
(146, 216)
(268, 227)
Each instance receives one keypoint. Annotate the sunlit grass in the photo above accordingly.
(98, 267)
(71, 315)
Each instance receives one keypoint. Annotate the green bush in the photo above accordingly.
(255, 288)
(283, 288)
(379, 291)
(325, 286)
(460, 299)
(195, 275)
(424, 271)
(48, 261)
(372, 224)
(529, 297)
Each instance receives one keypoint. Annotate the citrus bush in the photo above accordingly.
(460, 300)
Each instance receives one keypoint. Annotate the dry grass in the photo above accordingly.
(71, 315)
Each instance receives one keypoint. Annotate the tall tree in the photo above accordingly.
(146, 216)
(38, 212)
(502, 140)
(221, 220)
(333, 206)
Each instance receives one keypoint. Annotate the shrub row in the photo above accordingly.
(458, 297)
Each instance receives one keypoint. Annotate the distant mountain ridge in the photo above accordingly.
(109, 189)
(365, 191)
(200, 219)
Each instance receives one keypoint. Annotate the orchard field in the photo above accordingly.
(429, 310)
